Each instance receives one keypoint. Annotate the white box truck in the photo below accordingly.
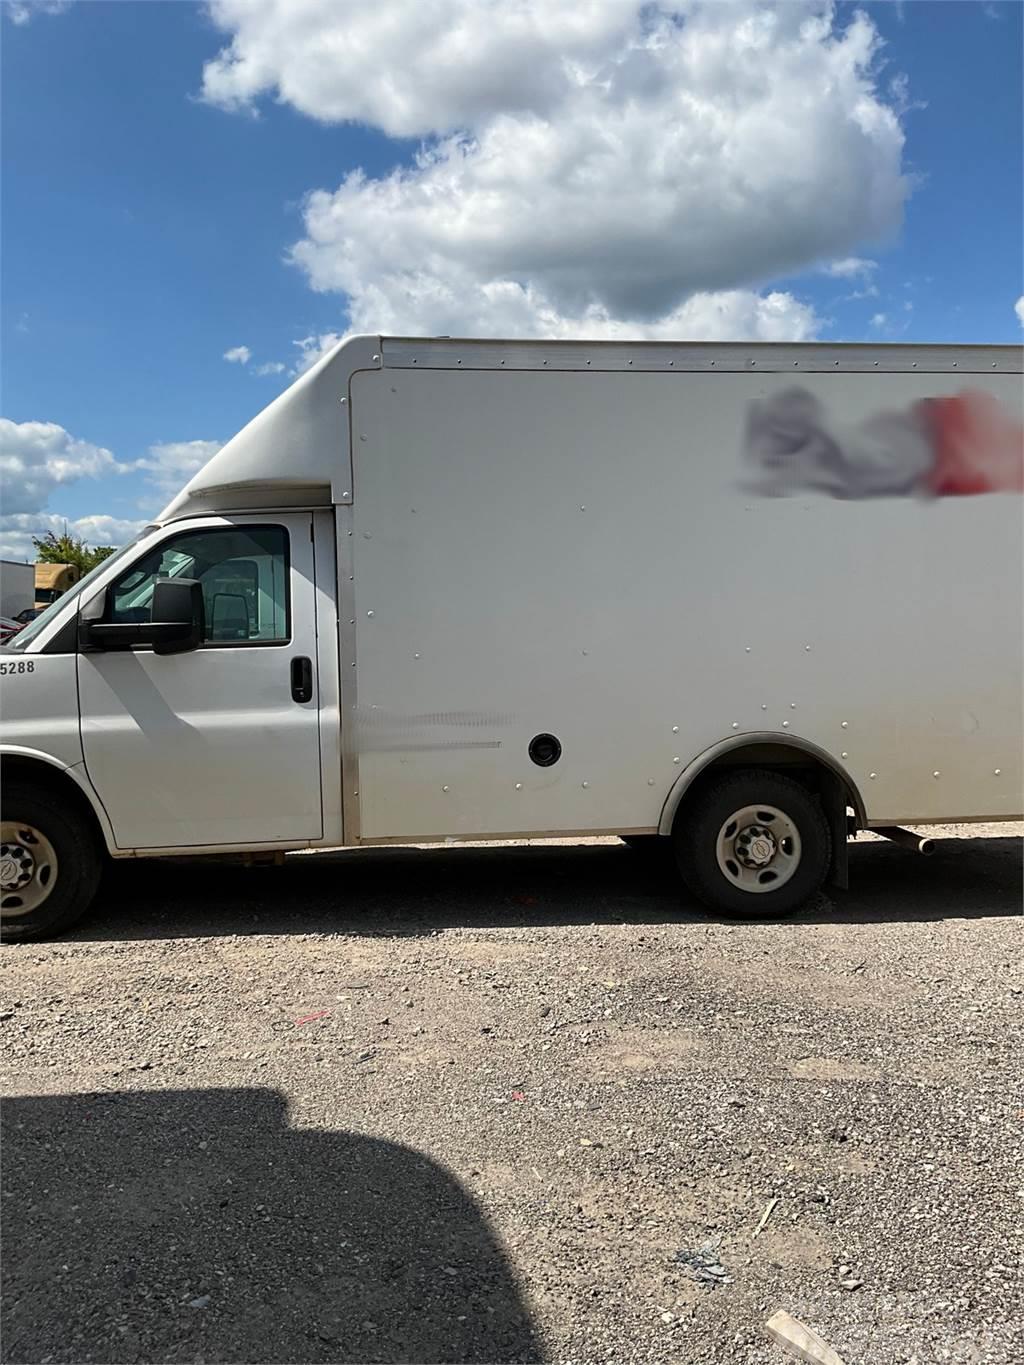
(740, 597)
(17, 587)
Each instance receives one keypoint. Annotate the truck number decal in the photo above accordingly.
(22, 666)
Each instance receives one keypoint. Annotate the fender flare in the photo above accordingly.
(75, 773)
(725, 746)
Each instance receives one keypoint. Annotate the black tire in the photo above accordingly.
(704, 815)
(79, 863)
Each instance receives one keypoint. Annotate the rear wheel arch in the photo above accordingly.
(790, 754)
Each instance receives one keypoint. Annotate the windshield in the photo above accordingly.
(26, 636)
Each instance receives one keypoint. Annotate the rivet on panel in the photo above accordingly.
(343, 400)
(444, 789)
(585, 784)
(785, 725)
(346, 494)
(844, 754)
(376, 357)
(584, 652)
(735, 725)
(519, 785)
(650, 780)
(997, 771)
(764, 706)
(807, 649)
(362, 436)
(936, 774)
(582, 508)
(746, 649)
(355, 792)
(872, 776)
(675, 729)
(369, 613)
(844, 724)
(676, 759)
(792, 705)
(351, 620)
(415, 656)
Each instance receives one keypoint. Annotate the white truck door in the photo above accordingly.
(219, 745)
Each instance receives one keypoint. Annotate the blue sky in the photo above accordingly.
(153, 202)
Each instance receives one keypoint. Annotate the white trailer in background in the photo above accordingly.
(17, 587)
(730, 595)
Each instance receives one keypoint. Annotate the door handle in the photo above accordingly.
(302, 678)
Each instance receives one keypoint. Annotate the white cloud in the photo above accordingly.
(270, 367)
(313, 348)
(509, 310)
(38, 457)
(238, 355)
(170, 464)
(412, 67)
(22, 11)
(850, 267)
(1018, 308)
(586, 163)
(879, 320)
(18, 529)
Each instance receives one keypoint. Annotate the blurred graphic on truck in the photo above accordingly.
(952, 446)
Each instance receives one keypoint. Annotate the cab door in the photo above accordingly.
(220, 745)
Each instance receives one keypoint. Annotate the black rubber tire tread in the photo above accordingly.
(702, 816)
(79, 862)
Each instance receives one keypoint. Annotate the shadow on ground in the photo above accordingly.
(400, 891)
(196, 1225)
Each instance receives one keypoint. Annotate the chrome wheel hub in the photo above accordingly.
(758, 848)
(28, 868)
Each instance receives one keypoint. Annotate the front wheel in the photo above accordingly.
(753, 843)
(49, 864)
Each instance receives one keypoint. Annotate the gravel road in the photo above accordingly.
(470, 1104)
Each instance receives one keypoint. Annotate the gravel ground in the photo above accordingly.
(469, 1104)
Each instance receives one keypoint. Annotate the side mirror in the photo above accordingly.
(177, 619)
(176, 622)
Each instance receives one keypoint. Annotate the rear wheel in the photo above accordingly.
(753, 843)
(49, 864)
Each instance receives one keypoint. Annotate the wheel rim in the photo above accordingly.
(758, 849)
(28, 868)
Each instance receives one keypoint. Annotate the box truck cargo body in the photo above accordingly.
(735, 596)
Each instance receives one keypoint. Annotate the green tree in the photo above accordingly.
(69, 549)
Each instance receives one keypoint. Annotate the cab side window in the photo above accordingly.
(244, 576)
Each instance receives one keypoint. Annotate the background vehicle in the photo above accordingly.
(17, 587)
(8, 629)
(734, 596)
(53, 580)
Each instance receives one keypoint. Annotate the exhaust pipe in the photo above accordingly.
(906, 839)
